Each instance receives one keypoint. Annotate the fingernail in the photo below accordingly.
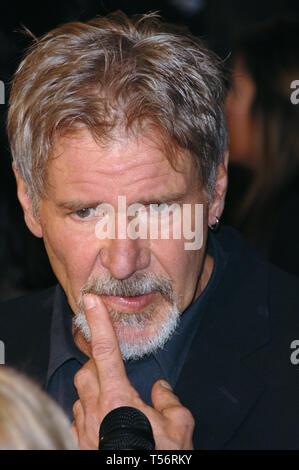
(165, 384)
(89, 301)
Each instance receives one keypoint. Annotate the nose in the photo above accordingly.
(123, 258)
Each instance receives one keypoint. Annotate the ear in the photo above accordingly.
(31, 221)
(217, 205)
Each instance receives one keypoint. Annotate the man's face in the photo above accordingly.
(81, 176)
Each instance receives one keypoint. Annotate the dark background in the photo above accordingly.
(23, 261)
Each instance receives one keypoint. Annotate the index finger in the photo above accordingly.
(104, 345)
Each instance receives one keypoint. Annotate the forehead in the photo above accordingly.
(126, 164)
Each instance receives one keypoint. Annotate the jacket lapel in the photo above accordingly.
(28, 348)
(216, 383)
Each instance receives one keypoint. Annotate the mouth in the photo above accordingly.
(129, 304)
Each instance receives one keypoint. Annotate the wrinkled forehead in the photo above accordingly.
(141, 160)
(142, 140)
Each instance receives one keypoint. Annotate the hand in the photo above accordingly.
(103, 385)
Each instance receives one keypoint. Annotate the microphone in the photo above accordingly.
(126, 428)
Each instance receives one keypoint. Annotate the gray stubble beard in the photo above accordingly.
(138, 284)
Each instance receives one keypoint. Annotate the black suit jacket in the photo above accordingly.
(238, 380)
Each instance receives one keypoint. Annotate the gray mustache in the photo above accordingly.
(138, 284)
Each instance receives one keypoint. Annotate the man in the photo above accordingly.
(196, 337)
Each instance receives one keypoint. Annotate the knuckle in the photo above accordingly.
(182, 415)
(76, 408)
(103, 348)
(80, 377)
(115, 398)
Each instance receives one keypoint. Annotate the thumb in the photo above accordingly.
(163, 396)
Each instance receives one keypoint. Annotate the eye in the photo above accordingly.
(85, 213)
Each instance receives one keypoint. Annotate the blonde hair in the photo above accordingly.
(114, 73)
(29, 419)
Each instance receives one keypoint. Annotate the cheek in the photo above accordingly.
(72, 255)
(240, 136)
(183, 266)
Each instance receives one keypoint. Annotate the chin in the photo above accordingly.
(138, 335)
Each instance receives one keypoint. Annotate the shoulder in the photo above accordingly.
(283, 284)
(283, 307)
(25, 325)
(27, 306)
(262, 302)
(241, 251)
(284, 248)
(248, 274)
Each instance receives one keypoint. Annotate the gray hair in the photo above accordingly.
(114, 72)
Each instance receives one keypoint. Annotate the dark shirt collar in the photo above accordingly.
(62, 344)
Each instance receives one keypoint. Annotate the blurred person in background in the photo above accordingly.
(263, 195)
(29, 419)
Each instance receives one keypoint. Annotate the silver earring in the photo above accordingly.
(215, 227)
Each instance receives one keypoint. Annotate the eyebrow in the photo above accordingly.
(163, 199)
(78, 204)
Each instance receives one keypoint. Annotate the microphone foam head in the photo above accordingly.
(126, 428)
